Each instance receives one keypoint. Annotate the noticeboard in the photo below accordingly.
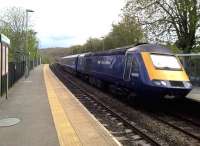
(0, 59)
(3, 52)
(6, 59)
(5, 42)
(4, 45)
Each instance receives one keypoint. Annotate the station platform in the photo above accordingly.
(194, 94)
(49, 115)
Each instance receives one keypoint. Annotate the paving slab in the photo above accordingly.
(41, 111)
(194, 94)
(28, 102)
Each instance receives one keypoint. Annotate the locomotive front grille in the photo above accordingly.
(176, 83)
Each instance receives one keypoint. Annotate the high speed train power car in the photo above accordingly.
(145, 69)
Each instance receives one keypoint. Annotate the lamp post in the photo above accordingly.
(26, 49)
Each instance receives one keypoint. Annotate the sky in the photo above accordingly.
(63, 23)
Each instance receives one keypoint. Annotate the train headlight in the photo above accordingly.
(160, 83)
(188, 85)
(164, 83)
(156, 82)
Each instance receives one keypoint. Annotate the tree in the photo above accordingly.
(168, 20)
(32, 44)
(12, 24)
(93, 45)
(75, 49)
(126, 32)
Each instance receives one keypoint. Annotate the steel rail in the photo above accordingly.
(124, 120)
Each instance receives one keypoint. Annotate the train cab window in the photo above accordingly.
(166, 62)
(128, 64)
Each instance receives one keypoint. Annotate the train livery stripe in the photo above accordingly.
(66, 134)
(162, 74)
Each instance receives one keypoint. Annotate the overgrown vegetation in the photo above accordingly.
(50, 54)
(13, 25)
(168, 21)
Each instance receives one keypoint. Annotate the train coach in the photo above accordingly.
(145, 69)
(69, 63)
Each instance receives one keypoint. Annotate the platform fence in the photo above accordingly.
(16, 70)
(191, 63)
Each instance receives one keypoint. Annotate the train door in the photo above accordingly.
(128, 65)
(135, 69)
(131, 71)
(76, 63)
(134, 75)
(88, 63)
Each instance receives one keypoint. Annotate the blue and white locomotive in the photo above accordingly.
(145, 69)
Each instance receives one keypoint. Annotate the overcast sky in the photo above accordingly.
(62, 23)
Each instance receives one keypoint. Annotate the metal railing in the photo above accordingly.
(191, 63)
(15, 71)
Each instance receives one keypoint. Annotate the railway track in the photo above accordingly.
(193, 121)
(182, 123)
(178, 122)
(123, 129)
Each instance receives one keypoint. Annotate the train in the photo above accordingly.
(143, 69)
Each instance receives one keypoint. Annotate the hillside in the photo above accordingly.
(50, 54)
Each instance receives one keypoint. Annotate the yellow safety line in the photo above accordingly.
(65, 132)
